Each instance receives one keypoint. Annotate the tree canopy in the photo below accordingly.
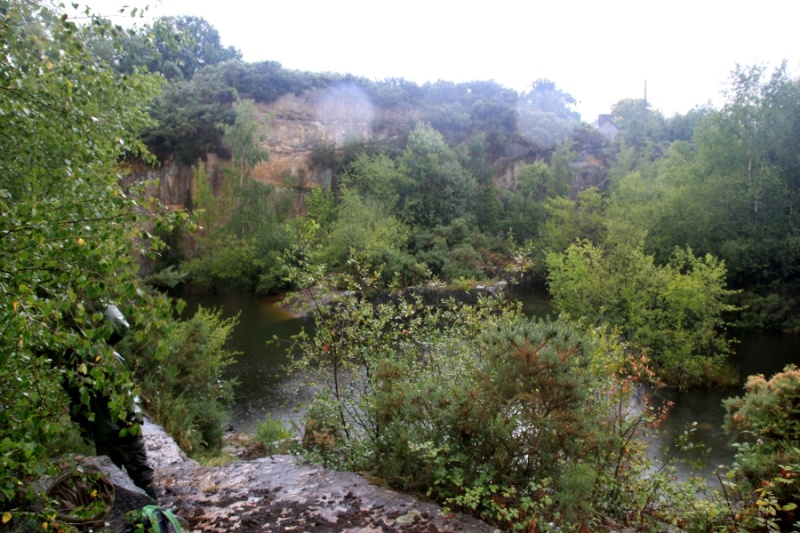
(177, 47)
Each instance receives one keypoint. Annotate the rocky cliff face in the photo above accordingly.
(304, 128)
(308, 131)
(173, 182)
(305, 133)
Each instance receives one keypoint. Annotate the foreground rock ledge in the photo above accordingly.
(279, 493)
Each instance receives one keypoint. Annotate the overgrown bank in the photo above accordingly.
(526, 424)
(491, 436)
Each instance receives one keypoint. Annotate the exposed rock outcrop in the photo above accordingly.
(305, 129)
(280, 493)
(309, 132)
(172, 182)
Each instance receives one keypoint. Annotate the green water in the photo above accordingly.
(264, 390)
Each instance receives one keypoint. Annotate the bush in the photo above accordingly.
(463, 262)
(675, 312)
(271, 430)
(766, 420)
(521, 423)
(227, 262)
(184, 390)
(497, 422)
(455, 251)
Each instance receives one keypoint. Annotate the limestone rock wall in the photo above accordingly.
(308, 132)
(302, 128)
(172, 182)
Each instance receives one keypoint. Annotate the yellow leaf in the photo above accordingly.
(82, 369)
(15, 305)
(80, 241)
(49, 65)
(6, 517)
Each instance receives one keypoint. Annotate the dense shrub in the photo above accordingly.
(184, 390)
(521, 423)
(189, 115)
(456, 251)
(766, 421)
(675, 312)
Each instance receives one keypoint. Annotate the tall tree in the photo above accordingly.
(750, 172)
(244, 138)
(185, 45)
(523, 205)
(176, 47)
(546, 97)
(68, 234)
(567, 221)
(439, 189)
(242, 232)
(641, 126)
(546, 116)
(681, 127)
(366, 233)
(378, 179)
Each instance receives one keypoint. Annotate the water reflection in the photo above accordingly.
(533, 295)
(757, 352)
(765, 352)
(702, 410)
(263, 389)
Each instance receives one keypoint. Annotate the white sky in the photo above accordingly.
(600, 51)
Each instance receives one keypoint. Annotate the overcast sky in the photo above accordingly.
(600, 51)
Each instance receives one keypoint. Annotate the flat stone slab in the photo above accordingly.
(280, 493)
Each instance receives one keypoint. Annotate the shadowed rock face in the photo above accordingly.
(307, 132)
(279, 493)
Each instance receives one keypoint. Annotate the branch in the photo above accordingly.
(25, 95)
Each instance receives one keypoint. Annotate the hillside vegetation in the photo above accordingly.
(530, 425)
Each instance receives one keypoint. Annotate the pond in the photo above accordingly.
(264, 391)
(757, 352)
(263, 388)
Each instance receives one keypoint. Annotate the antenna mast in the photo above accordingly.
(644, 110)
